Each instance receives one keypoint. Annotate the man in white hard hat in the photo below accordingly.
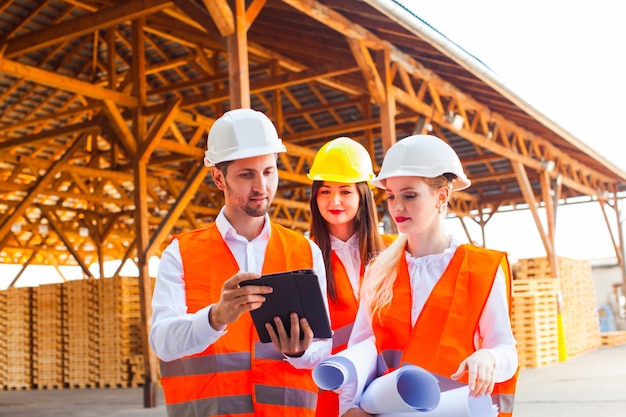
(212, 363)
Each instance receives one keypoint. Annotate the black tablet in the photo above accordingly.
(294, 291)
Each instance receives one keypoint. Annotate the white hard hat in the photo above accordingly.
(241, 133)
(422, 156)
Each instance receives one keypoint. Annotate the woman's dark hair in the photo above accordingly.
(370, 241)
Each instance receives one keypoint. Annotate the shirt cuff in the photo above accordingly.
(201, 324)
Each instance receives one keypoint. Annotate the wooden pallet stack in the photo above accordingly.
(49, 337)
(111, 328)
(3, 340)
(614, 338)
(534, 321)
(19, 374)
(78, 334)
(133, 314)
(581, 320)
(578, 306)
(120, 325)
(81, 298)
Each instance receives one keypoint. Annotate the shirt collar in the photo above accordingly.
(227, 230)
(352, 242)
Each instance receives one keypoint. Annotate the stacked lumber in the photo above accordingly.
(534, 321)
(3, 340)
(120, 330)
(578, 300)
(581, 320)
(614, 338)
(78, 334)
(81, 298)
(18, 338)
(49, 337)
(112, 329)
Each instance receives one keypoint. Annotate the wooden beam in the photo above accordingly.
(222, 16)
(120, 127)
(388, 103)
(66, 131)
(157, 130)
(53, 223)
(253, 11)
(239, 78)
(74, 113)
(546, 190)
(67, 30)
(368, 70)
(31, 258)
(196, 178)
(41, 184)
(317, 74)
(529, 196)
(62, 82)
(142, 232)
(199, 15)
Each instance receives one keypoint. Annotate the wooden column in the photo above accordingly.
(141, 208)
(388, 106)
(546, 192)
(239, 81)
(529, 197)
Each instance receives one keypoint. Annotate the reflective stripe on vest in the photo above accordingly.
(387, 360)
(199, 365)
(241, 404)
(293, 397)
(341, 336)
(504, 402)
(215, 406)
(236, 375)
(267, 351)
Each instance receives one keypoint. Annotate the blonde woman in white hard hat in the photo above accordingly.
(212, 363)
(429, 300)
(344, 224)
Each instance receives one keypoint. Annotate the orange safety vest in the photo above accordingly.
(342, 316)
(236, 375)
(443, 335)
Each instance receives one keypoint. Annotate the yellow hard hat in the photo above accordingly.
(342, 160)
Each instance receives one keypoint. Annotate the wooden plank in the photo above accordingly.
(66, 30)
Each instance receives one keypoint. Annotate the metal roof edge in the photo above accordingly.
(412, 22)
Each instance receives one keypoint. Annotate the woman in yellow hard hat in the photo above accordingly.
(344, 224)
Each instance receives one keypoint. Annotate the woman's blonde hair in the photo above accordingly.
(381, 274)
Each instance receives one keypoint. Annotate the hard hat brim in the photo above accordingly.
(458, 184)
(211, 160)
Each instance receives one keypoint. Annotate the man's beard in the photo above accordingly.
(252, 210)
(256, 210)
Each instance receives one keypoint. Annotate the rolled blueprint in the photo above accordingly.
(407, 389)
(354, 366)
(454, 403)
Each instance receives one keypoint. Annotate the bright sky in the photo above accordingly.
(567, 60)
(564, 58)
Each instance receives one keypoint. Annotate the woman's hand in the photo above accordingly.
(481, 367)
(356, 412)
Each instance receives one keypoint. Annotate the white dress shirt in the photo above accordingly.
(350, 256)
(494, 328)
(175, 333)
